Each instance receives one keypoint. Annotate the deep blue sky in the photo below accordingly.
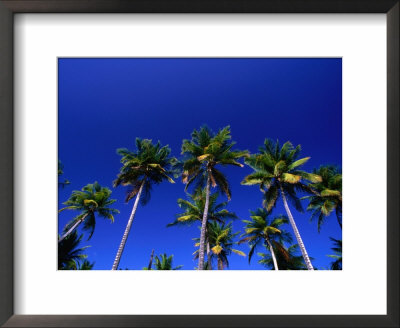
(104, 104)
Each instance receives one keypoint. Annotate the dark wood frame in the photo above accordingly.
(7, 10)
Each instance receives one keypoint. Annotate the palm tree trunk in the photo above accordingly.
(272, 254)
(296, 232)
(209, 266)
(151, 260)
(127, 229)
(220, 265)
(204, 225)
(77, 223)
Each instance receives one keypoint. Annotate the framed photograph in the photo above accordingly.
(200, 136)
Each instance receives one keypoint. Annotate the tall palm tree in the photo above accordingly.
(287, 259)
(221, 238)
(91, 200)
(276, 171)
(329, 195)
(263, 229)
(69, 253)
(193, 212)
(164, 262)
(337, 249)
(149, 165)
(203, 154)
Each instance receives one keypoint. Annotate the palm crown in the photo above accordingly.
(329, 195)
(262, 227)
(287, 258)
(194, 207)
(70, 256)
(92, 199)
(149, 164)
(204, 152)
(85, 265)
(337, 249)
(276, 167)
(164, 262)
(221, 239)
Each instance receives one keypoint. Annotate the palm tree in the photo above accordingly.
(203, 153)
(287, 258)
(69, 255)
(164, 262)
(337, 264)
(92, 199)
(276, 171)
(221, 240)
(262, 228)
(329, 195)
(141, 169)
(193, 212)
(60, 171)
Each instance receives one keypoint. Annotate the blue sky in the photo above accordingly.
(104, 104)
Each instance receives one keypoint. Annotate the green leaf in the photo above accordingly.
(250, 230)
(168, 178)
(328, 192)
(157, 166)
(272, 230)
(291, 178)
(279, 167)
(203, 157)
(238, 252)
(90, 201)
(298, 163)
(314, 178)
(68, 208)
(185, 218)
(248, 181)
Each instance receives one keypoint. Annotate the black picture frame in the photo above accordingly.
(10, 7)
